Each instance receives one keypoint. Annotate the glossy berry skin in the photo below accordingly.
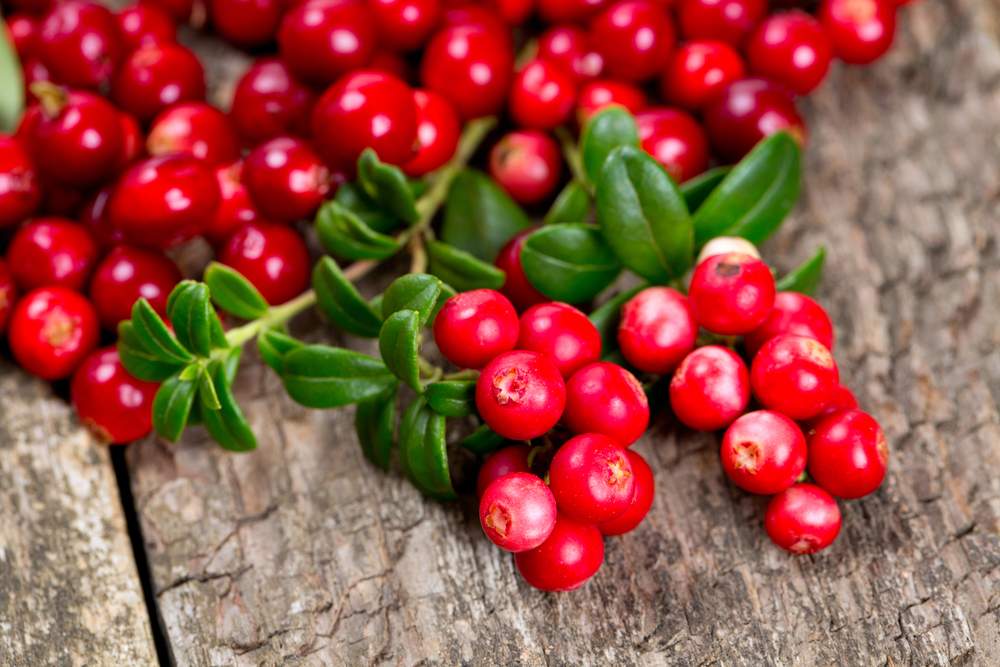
(794, 375)
(568, 46)
(516, 288)
(763, 452)
(116, 407)
(513, 12)
(517, 512)
(79, 43)
(127, 273)
(568, 11)
(710, 389)
(8, 295)
(406, 24)
(657, 330)
(285, 179)
(605, 398)
(642, 499)
(596, 95)
(745, 112)
(471, 66)
(23, 30)
(274, 258)
(269, 102)
(635, 37)
(52, 251)
(520, 395)
(848, 454)
(591, 478)
(793, 313)
(438, 130)
(860, 31)
(727, 21)
(235, 208)
(676, 140)
(164, 201)
(731, 294)
(93, 217)
(699, 70)
(542, 96)
(561, 333)
(564, 562)
(802, 519)
(843, 399)
(390, 62)
(502, 462)
(195, 129)
(527, 164)
(140, 24)
(474, 327)
(133, 141)
(321, 40)
(790, 48)
(20, 191)
(155, 77)
(51, 330)
(246, 23)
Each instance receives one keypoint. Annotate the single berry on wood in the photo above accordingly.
(794, 375)
(195, 129)
(126, 274)
(675, 139)
(793, 313)
(657, 330)
(438, 130)
(697, 71)
(474, 327)
(561, 333)
(52, 251)
(605, 398)
(51, 330)
(731, 294)
(527, 164)
(763, 452)
(115, 406)
(273, 257)
(571, 555)
(642, 499)
(848, 454)
(710, 389)
(520, 395)
(802, 519)
(592, 479)
(517, 512)
(502, 462)
(517, 288)
(285, 179)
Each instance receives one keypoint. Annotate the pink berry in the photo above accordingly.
(657, 330)
(502, 462)
(802, 519)
(710, 388)
(564, 562)
(763, 452)
(592, 479)
(731, 294)
(605, 398)
(793, 313)
(848, 454)
(642, 499)
(527, 164)
(561, 333)
(794, 375)
(520, 395)
(474, 327)
(518, 512)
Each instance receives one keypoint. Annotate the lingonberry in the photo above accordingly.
(52, 251)
(406, 24)
(513, 12)
(20, 192)
(676, 140)
(51, 330)
(568, 11)
(320, 40)
(563, 334)
(8, 295)
(474, 327)
(235, 207)
(34, 71)
(520, 395)
(746, 111)
(843, 399)
(568, 46)
(710, 388)
(731, 294)
(23, 30)
(163, 201)
(246, 23)
(802, 519)
(722, 245)
(285, 179)
(517, 512)
(142, 23)
(273, 257)
(527, 164)
(794, 375)
(595, 95)
(471, 66)
(482, 14)
(269, 102)
(699, 70)
(724, 20)
(391, 62)
(438, 130)
(156, 76)
(127, 273)
(182, 11)
(80, 44)
(115, 406)
(571, 555)
(94, 218)
(642, 499)
(848, 454)
(657, 330)
(195, 129)
(501, 462)
(763, 452)
(516, 288)
(635, 37)
(793, 313)
(860, 30)
(605, 398)
(592, 479)
(133, 141)
(541, 96)
(790, 48)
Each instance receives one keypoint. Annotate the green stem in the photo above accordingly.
(418, 254)
(572, 154)
(273, 317)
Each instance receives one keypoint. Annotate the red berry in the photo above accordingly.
(592, 479)
(731, 294)
(527, 164)
(723, 20)
(474, 327)
(181, 11)
(790, 48)
(127, 273)
(642, 499)
(235, 207)
(793, 313)
(438, 130)
(115, 406)
(155, 77)
(513, 12)
(321, 40)
(286, 180)
(93, 216)
(710, 388)
(479, 13)
(568, 11)
(390, 62)
(542, 96)
(802, 519)
(848, 454)
(561, 333)
(20, 192)
(133, 141)
(80, 44)
(246, 23)
(763, 452)
(605, 398)
(520, 395)
(745, 112)
(843, 399)
(635, 37)
(141, 24)
(516, 288)
(517, 512)
(860, 30)
(501, 462)
(596, 95)
(8, 295)
(564, 562)
(567, 46)
(269, 102)
(698, 71)
(657, 330)
(24, 34)
(406, 24)
(163, 201)
(676, 140)
(794, 375)
(52, 251)
(195, 129)
(51, 330)
(274, 258)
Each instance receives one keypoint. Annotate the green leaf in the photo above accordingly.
(273, 346)
(607, 317)
(643, 216)
(484, 440)
(387, 185)
(756, 195)
(420, 430)
(572, 204)
(696, 190)
(375, 422)
(480, 217)
(233, 293)
(341, 303)
(227, 425)
(206, 391)
(436, 456)
(569, 262)
(319, 376)
(352, 197)
(461, 270)
(804, 279)
(139, 361)
(609, 128)
(414, 291)
(399, 345)
(11, 83)
(172, 405)
(447, 291)
(155, 336)
(344, 234)
(452, 399)
(231, 363)
(190, 312)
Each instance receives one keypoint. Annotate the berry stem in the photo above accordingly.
(572, 154)
(418, 254)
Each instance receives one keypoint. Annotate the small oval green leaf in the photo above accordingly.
(572, 204)
(352, 197)
(569, 262)
(804, 279)
(387, 185)
(484, 440)
(11, 83)
(399, 346)
(452, 399)
(414, 291)
(233, 293)
(319, 376)
(414, 431)
(172, 405)
(436, 455)
(344, 234)
(155, 336)
(139, 361)
(227, 425)
(273, 346)
(461, 270)
(191, 314)
(696, 190)
(609, 128)
(480, 217)
(340, 301)
(375, 422)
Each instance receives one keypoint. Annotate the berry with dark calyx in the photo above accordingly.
(273, 257)
(321, 40)
(746, 111)
(568, 46)
(195, 129)
(635, 37)
(52, 251)
(599, 94)
(571, 555)
(843, 399)
(23, 30)
(20, 192)
(474, 327)
(116, 407)
(405, 25)
(246, 23)
(676, 140)
(438, 130)
(763, 452)
(520, 395)
(591, 478)
(155, 77)
(731, 294)
(516, 288)
(790, 48)
(699, 70)
(860, 31)
(657, 330)
(269, 102)
(728, 21)
(848, 454)
(802, 519)
(235, 207)
(605, 398)
(642, 499)
(517, 512)
(568, 11)
(285, 179)
(8, 295)
(126, 274)
(80, 44)
(794, 375)
(541, 96)
(143, 23)
(793, 313)
(133, 141)
(527, 164)
(51, 330)
(561, 333)
(710, 389)
(98, 224)
(722, 245)
(502, 462)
